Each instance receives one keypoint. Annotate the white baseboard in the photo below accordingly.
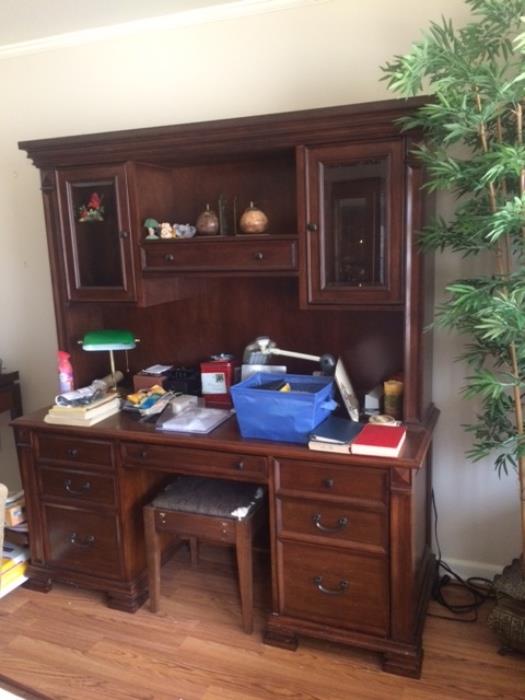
(467, 569)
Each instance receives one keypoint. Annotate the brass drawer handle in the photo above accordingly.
(85, 488)
(341, 524)
(72, 452)
(342, 586)
(88, 541)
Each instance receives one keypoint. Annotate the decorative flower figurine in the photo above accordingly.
(93, 210)
(152, 226)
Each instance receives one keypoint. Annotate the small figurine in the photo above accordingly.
(253, 220)
(166, 230)
(93, 210)
(184, 230)
(152, 226)
(207, 222)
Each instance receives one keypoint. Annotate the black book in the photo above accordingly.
(335, 430)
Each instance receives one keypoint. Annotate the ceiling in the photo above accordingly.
(27, 20)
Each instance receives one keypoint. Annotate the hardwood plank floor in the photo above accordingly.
(67, 644)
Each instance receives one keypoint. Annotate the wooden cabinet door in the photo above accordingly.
(96, 233)
(353, 223)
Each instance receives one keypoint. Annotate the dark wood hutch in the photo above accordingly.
(365, 297)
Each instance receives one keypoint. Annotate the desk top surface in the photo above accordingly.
(125, 426)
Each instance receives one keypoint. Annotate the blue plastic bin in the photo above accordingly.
(268, 414)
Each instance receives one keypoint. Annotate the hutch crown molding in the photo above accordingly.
(337, 271)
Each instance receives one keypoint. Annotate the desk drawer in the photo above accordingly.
(194, 461)
(73, 450)
(340, 481)
(337, 523)
(334, 587)
(77, 485)
(83, 540)
(237, 254)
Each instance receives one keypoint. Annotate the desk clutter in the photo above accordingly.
(13, 541)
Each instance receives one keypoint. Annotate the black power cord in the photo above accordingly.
(479, 589)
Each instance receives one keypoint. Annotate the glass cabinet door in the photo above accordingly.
(96, 234)
(354, 216)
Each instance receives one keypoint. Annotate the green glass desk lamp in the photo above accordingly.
(109, 340)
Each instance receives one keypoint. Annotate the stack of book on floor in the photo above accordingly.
(13, 568)
(85, 415)
(350, 437)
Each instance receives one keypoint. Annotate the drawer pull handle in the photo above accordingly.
(143, 454)
(239, 465)
(342, 586)
(88, 541)
(328, 483)
(85, 488)
(169, 257)
(72, 452)
(258, 255)
(341, 524)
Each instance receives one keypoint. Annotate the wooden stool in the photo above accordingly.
(219, 511)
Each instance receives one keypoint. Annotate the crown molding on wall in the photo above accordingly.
(203, 15)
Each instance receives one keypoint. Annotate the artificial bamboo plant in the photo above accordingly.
(473, 146)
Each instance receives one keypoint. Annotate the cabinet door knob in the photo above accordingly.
(239, 465)
(258, 255)
(341, 524)
(312, 227)
(72, 452)
(123, 234)
(342, 586)
(169, 257)
(143, 454)
(328, 483)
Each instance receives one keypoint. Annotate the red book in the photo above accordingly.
(379, 440)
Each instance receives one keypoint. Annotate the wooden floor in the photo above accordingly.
(68, 645)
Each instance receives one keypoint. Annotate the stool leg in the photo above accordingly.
(243, 549)
(194, 550)
(152, 557)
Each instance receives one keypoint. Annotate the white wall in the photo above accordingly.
(320, 55)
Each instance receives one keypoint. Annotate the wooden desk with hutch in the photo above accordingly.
(362, 296)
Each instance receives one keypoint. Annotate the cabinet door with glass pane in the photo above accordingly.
(96, 233)
(353, 223)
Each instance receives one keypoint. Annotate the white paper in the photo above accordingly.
(195, 420)
(157, 369)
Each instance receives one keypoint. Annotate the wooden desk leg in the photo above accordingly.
(152, 542)
(243, 548)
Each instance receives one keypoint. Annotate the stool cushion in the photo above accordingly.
(224, 499)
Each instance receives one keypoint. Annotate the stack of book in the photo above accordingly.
(345, 436)
(84, 415)
(13, 567)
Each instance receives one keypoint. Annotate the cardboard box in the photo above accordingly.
(15, 513)
(146, 381)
